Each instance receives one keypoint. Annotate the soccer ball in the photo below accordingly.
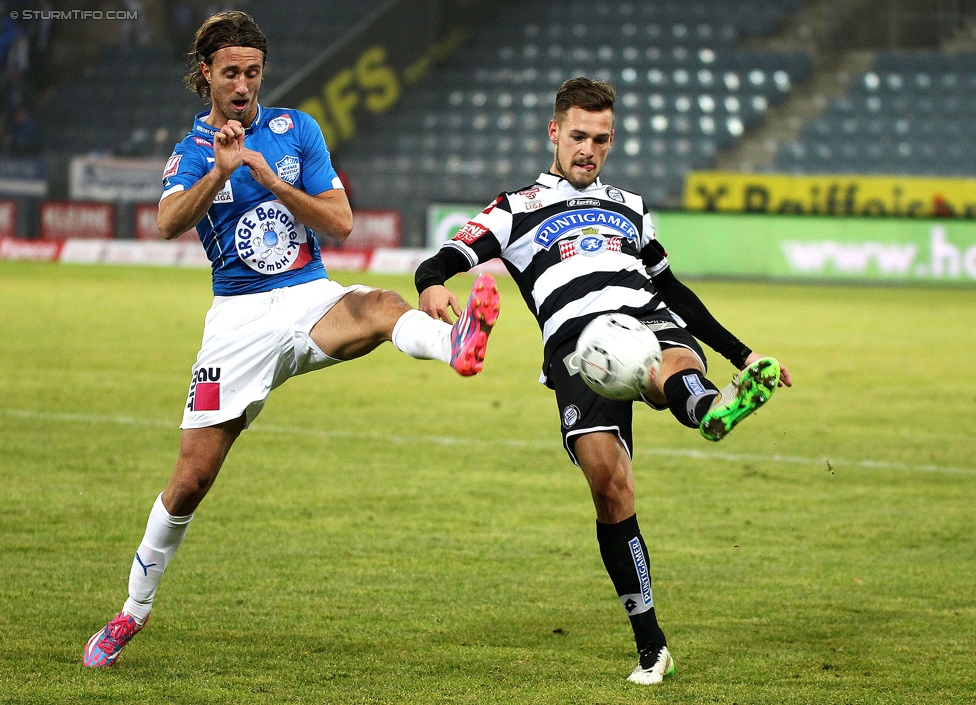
(618, 356)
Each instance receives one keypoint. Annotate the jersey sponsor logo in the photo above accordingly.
(571, 415)
(281, 124)
(172, 166)
(204, 390)
(205, 129)
(269, 239)
(470, 232)
(640, 563)
(200, 142)
(573, 222)
(225, 194)
(574, 203)
(589, 245)
(614, 193)
(288, 168)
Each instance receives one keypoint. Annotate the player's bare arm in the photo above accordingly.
(435, 301)
(328, 212)
(182, 210)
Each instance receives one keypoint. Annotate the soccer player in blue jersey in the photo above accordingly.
(257, 183)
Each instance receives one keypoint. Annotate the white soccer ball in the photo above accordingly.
(618, 356)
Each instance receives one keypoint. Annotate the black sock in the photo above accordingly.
(689, 396)
(625, 557)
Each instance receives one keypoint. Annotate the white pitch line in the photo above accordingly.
(706, 455)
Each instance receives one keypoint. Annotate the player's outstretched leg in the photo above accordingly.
(653, 673)
(469, 336)
(749, 390)
(104, 647)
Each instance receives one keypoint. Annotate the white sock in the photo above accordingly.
(420, 336)
(164, 534)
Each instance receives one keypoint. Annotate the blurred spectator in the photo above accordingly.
(16, 66)
(182, 27)
(10, 33)
(39, 36)
(135, 32)
(23, 136)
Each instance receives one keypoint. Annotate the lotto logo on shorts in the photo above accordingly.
(204, 390)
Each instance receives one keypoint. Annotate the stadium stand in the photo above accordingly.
(477, 126)
(696, 83)
(135, 103)
(908, 115)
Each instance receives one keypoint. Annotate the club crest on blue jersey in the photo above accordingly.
(270, 240)
(573, 223)
(288, 169)
(281, 124)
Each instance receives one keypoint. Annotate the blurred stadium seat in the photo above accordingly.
(135, 102)
(904, 116)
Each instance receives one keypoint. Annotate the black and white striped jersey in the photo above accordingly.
(574, 254)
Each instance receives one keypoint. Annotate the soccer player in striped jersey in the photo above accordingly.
(579, 248)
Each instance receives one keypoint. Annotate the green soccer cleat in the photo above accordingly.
(744, 394)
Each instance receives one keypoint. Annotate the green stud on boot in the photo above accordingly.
(750, 389)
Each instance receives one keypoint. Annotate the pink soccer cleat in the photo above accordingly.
(104, 647)
(469, 336)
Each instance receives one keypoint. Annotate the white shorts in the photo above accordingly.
(252, 344)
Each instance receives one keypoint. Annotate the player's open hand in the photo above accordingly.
(435, 301)
(784, 374)
(228, 147)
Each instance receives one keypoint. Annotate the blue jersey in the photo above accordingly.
(253, 241)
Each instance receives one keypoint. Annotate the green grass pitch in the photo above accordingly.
(388, 532)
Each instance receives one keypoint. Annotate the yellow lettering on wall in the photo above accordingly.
(342, 98)
(378, 81)
(831, 194)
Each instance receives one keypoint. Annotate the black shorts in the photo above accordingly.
(582, 411)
